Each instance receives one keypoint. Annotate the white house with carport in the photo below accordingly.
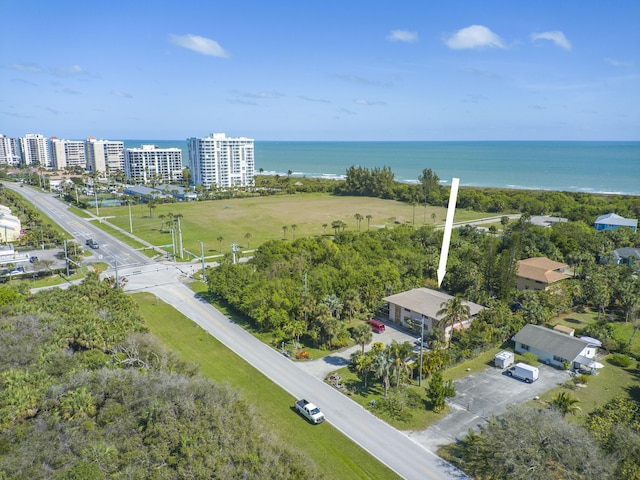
(411, 308)
(554, 348)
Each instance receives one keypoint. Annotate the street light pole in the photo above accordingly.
(95, 192)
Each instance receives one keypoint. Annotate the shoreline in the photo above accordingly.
(339, 177)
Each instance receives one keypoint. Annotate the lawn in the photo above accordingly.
(335, 455)
(611, 381)
(250, 222)
(419, 418)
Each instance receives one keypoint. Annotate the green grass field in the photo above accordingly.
(334, 454)
(250, 222)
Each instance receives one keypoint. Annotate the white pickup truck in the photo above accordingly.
(309, 411)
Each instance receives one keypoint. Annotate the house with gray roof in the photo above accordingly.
(411, 308)
(554, 348)
(611, 221)
(626, 256)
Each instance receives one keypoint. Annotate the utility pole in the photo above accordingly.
(180, 240)
(130, 221)
(421, 340)
(173, 243)
(117, 282)
(66, 257)
(95, 192)
(204, 279)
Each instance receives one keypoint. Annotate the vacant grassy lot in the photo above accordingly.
(250, 222)
(335, 455)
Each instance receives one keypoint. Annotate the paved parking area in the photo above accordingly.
(483, 395)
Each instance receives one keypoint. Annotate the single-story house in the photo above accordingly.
(626, 256)
(538, 273)
(555, 348)
(145, 193)
(410, 309)
(179, 193)
(611, 221)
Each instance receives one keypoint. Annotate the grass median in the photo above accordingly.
(335, 455)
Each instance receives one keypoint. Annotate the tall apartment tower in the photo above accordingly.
(9, 151)
(67, 153)
(104, 155)
(221, 161)
(35, 150)
(150, 163)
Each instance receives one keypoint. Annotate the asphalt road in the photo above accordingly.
(111, 250)
(392, 447)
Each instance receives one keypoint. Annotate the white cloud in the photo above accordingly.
(69, 71)
(367, 103)
(199, 44)
(402, 36)
(118, 93)
(618, 63)
(555, 36)
(27, 67)
(475, 36)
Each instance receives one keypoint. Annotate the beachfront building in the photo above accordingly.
(104, 155)
(611, 221)
(221, 161)
(150, 164)
(67, 154)
(9, 225)
(35, 150)
(9, 151)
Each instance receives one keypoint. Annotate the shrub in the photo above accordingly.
(619, 360)
(530, 358)
(303, 355)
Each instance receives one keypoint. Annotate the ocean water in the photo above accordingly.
(594, 167)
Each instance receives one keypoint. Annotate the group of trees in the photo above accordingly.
(85, 392)
(380, 182)
(532, 443)
(38, 232)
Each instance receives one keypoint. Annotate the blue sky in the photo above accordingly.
(330, 70)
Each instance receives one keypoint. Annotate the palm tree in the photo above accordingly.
(247, 236)
(220, 239)
(152, 206)
(382, 364)
(369, 218)
(362, 364)
(433, 217)
(284, 231)
(358, 218)
(324, 228)
(336, 224)
(162, 216)
(399, 353)
(362, 335)
(451, 312)
(565, 403)
(294, 227)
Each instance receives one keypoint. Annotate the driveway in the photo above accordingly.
(322, 367)
(483, 395)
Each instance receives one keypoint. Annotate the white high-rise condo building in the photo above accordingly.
(104, 155)
(221, 161)
(35, 150)
(67, 153)
(9, 151)
(150, 164)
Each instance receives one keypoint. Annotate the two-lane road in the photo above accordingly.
(395, 449)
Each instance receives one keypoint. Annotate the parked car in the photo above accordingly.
(377, 326)
(33, 259)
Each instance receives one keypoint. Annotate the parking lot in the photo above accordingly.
(482, 395)
(28, 262)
